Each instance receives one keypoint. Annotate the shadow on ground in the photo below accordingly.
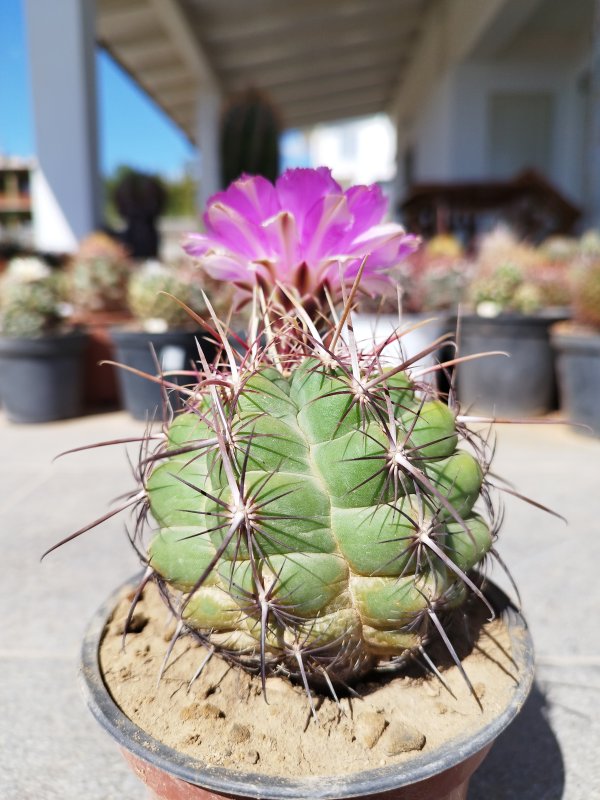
(525, 762)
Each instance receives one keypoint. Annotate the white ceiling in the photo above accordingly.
(318, 60)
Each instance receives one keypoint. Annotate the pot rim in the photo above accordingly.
(62, 342)
(254, 785)
(575, 338)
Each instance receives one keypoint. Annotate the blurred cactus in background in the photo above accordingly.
(511, 276)
(435, 276)
(99, 274)
(586, 292)
(148, 301)
(33, 299)
(249, 137)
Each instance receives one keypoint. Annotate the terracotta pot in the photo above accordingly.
(442, 774)
(101, 385)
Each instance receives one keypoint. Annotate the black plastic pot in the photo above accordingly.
(523, 385)
(175, 350)
(440, 775)
(578, 364)
(42, 379)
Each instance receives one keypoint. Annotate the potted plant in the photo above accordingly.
(40, 351)
(516, 293)
(320, 516)
(577, 344)
(99, 273)
(161, 339)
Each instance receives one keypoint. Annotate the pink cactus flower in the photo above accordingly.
(303, 232)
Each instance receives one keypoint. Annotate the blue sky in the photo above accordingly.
(133, 130)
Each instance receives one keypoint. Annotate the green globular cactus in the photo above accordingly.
(32, 299)
(316, 518)
(99, 274)
(148, 300)
(506, 289)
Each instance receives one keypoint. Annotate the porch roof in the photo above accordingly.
(318, 60)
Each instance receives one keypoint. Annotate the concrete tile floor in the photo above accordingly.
(51, 749)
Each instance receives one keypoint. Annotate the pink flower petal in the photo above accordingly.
(299, 189)
(368, 206)
(283, 240)
(325, 226)
(252, 196)
(235, 231)
(196, 244)
(225, 267)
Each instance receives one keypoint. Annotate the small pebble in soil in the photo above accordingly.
(240, 733)
(137, 623)
(369, 726)
(399, 737)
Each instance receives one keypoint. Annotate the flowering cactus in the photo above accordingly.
(317, 509)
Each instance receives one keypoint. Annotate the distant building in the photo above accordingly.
(358, 151)
(15, 200)
(517, 96)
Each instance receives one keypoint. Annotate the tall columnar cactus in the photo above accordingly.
(249, 137)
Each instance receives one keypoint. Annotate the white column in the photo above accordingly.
(66, 186)
(208, 122)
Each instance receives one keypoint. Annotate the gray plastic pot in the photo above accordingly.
(523, 385)
(578, 365)
(443, 774)
(42, 379)
(175, 350)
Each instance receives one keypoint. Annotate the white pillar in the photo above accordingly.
(208, 123)
(66, 186)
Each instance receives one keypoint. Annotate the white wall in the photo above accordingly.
(450, 132)
(434, 133)
(476, 83)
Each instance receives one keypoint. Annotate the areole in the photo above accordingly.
(440, 775)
